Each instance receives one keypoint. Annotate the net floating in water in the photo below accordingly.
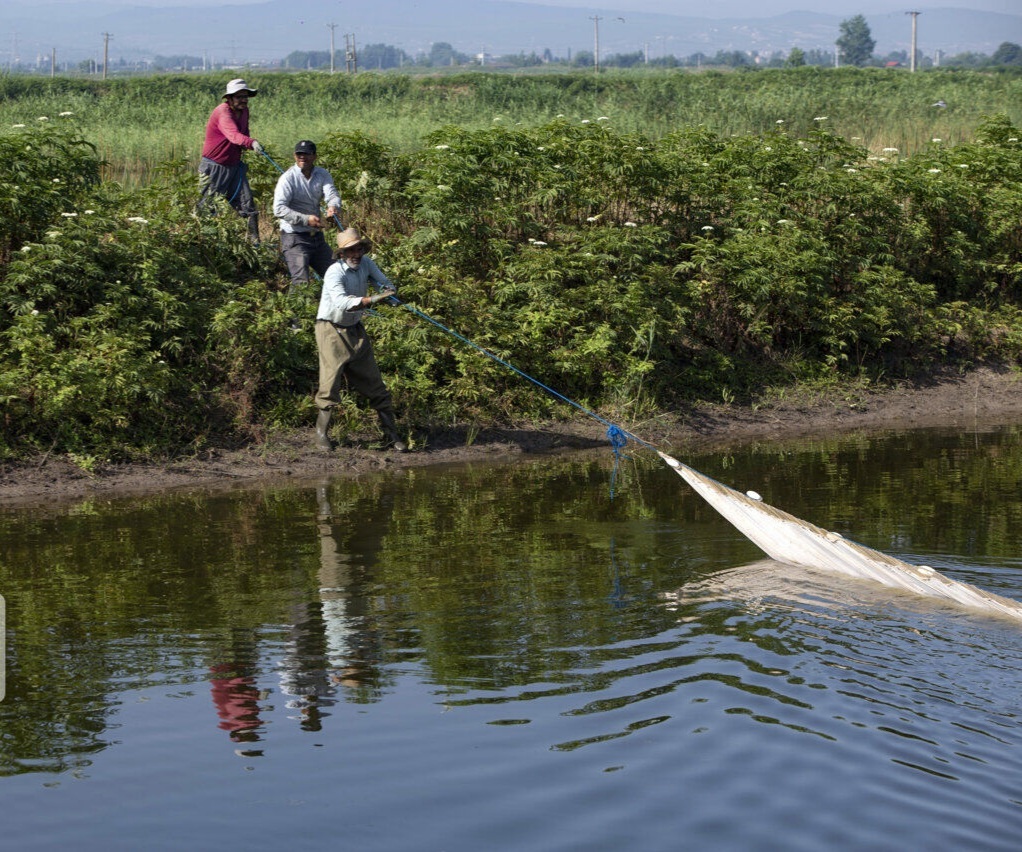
(790, 540)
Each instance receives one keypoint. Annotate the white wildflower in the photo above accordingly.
(640, 148)
(138, 219)
(443, 187)
(936, 139)
(35, 312)
(963, 165)
(541, 148)
(603, 118)
(592, 218)
(443, 147)
(934, 171)
(707, 228)
(784, 221)
(69, 215)
(768, 148)
(890, 150)
(66, 113)
(779, 121)
(1010, 138)
(89, 212)
(17, 125)
(586, 121)
(852, 171)
(538, 243)
(820, 118)
(43, 118)
(26, 248)
(56, 180)
(631, 225)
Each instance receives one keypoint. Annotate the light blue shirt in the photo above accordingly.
(296, 198)
(344, 288)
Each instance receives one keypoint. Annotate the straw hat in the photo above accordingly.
(349, 238)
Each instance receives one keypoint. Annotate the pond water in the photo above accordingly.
(550, 655)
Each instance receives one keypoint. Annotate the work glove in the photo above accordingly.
(256, 146)
(380, 297)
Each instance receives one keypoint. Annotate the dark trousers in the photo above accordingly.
(232, 183)
(302, 251)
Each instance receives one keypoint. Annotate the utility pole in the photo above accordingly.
(350, 59)
(332, 28)
(596, 42)
(106, 52)
(53, 62)
(912, 59)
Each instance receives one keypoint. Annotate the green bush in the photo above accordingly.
(631, 274)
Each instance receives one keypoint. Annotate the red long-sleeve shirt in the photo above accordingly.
(226, 135)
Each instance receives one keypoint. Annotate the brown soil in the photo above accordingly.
(983, 398)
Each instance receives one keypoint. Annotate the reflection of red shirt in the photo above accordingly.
(226, 135)
(237, 702)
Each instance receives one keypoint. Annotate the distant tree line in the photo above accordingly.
(854, 46)
(383, 57)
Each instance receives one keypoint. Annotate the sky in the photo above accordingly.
(695, 8)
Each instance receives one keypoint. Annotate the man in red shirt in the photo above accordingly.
(221, 171)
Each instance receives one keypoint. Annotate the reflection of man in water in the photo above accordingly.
(344, 606)
(237, 702)
(235, 694)
(331, 644)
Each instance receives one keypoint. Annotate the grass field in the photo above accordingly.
(140, 124)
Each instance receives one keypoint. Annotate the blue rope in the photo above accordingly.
(617, 436)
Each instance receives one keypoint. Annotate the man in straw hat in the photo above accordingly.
(297, 203)
(345, 350)
(221, 171)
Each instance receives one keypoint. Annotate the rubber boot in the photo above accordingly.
(253, 229)
(322, 429)
(389, 426)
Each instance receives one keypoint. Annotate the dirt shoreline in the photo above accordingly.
(983, 398)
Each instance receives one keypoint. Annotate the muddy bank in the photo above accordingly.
(980, 399)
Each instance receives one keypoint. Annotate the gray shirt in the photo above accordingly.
(296, 198)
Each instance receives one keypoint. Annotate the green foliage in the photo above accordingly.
(629, 272)
(43, 168)
(856, 42)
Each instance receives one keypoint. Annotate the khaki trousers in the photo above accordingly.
(346, 353)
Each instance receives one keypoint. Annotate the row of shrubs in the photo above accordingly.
(633, 275)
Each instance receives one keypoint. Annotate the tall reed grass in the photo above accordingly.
(140, 123)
